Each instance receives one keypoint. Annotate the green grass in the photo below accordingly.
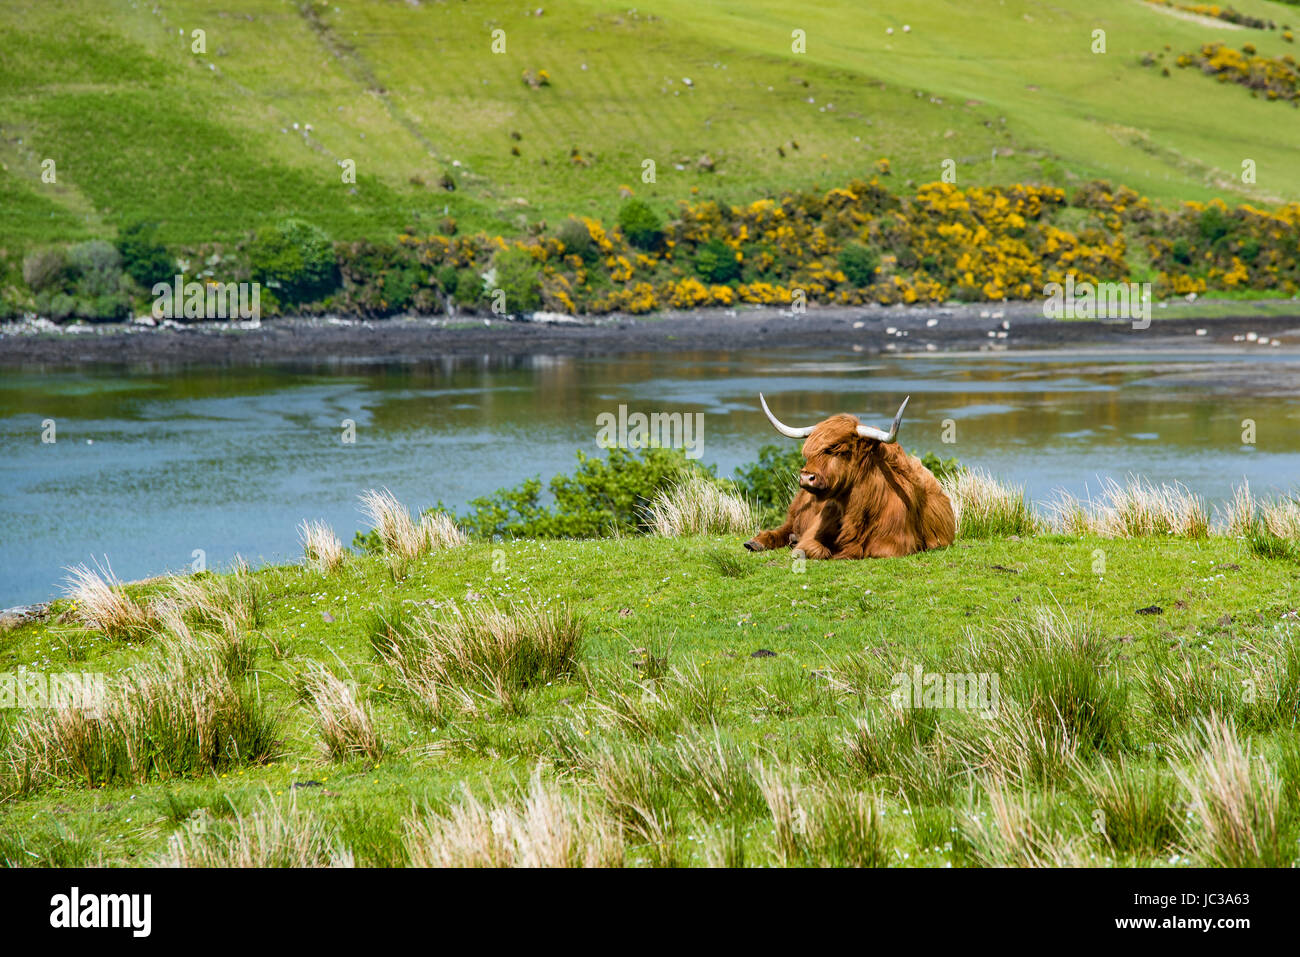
(141, 126)
(661, 731)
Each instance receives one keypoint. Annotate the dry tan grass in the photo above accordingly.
(1246, 514)
(439, 531)
(320, 546)
(272, 835)
(544, 829)
(401, 535)
(1008, 833)
(1132, 510)
(696, 506)
(985, 507)
(1235, 800)
(100, 602)
(346, 725)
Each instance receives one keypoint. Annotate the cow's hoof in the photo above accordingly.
(754, 545)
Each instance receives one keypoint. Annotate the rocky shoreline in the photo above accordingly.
(870, 330)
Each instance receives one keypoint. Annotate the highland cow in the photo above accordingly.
(860, 495)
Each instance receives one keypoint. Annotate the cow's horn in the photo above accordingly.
(867, 432)
(780, 426)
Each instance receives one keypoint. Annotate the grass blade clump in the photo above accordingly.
(99, 601)
(544, 828)
(321, 548)
(697, 506)
(347, 726)
(482, 645)
(272, 835)
(987, 508)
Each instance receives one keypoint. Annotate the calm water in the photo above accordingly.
(149, 466)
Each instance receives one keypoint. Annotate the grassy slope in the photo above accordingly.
(669, 597)
(139, 125)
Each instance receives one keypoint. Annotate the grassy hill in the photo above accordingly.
(139, 125)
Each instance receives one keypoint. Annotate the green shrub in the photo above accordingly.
(577, 240)
(859, 262)
(469, 288)
(55, 305)
(1214, 224)
(144, 258)
(518, 276)
(95, 268)
(45, 269)
(602, 497)
(400, 287)
(640, 224)
(296, 259)
(715, 261)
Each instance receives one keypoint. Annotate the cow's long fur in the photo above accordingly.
(861, 498)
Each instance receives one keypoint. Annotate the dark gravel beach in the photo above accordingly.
(868, 330)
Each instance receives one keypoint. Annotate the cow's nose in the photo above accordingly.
(809, 480)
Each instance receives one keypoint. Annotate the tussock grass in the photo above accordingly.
(321, 548)
(402, 536)
(177, 716)
(1011, 832)
(638, 711)
(1259, 689)
(1264, 544)
(697, 506)
(1246, 515)
(482, 645)
(827, 827)
(1132, 510)
(347, 726)
(1066, 697)
(271, 835)
(902, 750)
(100, 602)
(545, 828)
(987, 508)
(1237, 816)
(232, 601)
(698, 697)
(1139, 810)
(716, 776)
(637, 784)
(1181, 691)
(235, 647)
(389, 626)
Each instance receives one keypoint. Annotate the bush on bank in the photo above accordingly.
(848, 246)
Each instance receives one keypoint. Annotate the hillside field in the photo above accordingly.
(215, 144)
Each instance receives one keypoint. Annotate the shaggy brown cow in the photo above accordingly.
(860, 495)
